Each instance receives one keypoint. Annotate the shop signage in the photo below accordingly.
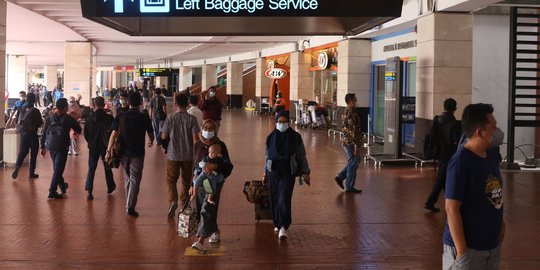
(400, 46)
(246, 8)
(276, 73)
(323, 60)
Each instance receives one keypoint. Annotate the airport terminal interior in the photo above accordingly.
(402, 59)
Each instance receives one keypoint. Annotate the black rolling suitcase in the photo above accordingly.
(262, 212)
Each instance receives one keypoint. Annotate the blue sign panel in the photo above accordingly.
(334, 8)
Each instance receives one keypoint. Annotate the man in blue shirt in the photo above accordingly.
(21, 102)
(474, 204)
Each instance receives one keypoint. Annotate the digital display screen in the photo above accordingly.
(243, 8)
(153, 72)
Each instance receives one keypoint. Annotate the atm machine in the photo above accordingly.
(393, 133)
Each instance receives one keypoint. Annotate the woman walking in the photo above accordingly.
(285, 159)
(208, 226)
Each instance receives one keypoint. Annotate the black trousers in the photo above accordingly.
(28, 143)
(59, 159)
(281, 186)
(440, 183)
(93, 160)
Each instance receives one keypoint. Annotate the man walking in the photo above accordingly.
(474, 227)
(158, 113)
(194, 109)
(131, 128)
(446, 131)
(182, 130)
(351, 140)
(56, 139)
(27, 123)
(97, 130)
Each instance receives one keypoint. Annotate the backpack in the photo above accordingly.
(56, 135)
(24, 120)
(159, 109)
(431, 141)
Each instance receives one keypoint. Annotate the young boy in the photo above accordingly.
(208, 180)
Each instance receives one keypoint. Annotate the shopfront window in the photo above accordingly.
(325, 87)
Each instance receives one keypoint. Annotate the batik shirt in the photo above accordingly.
(351, 128)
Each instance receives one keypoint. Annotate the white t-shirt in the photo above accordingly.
(195, 111)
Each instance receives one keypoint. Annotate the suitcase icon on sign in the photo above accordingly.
(146, 6)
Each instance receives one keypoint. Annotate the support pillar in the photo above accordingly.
(301, 78)
(262, 83)
(444, 53)
(209, 77)
(235, 84)
(77, 70)
(354, 71)
(17, 78)
(51, 77)
(185, 78)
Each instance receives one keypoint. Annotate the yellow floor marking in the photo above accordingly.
(210, 251)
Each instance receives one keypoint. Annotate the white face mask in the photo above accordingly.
(282, 126)
(123, 101)
(208, 134)
(212, 94)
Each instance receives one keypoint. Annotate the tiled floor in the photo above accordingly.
(385, 227)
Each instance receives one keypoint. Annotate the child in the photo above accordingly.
(208, 181)
(74, 111)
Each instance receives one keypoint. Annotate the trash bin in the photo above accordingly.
(11, 147)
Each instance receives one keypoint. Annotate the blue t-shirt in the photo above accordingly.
(477, 183)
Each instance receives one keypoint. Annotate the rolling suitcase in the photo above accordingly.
(262, 212)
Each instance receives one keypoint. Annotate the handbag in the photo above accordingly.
(187, 221)
(256, 192)
(114, 156)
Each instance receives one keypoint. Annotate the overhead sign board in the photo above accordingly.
(276, 73)
(153, 72)
(249, 8)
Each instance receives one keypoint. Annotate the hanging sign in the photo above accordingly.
(276, 73)
(323, 60)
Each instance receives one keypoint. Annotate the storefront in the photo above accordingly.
(278, 71)
(401, 44)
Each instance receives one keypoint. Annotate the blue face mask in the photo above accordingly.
(208, 134)
(282, 127)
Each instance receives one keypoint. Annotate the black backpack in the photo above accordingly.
(24, 120)
(56, 135)
(431, 141)
(158, 107)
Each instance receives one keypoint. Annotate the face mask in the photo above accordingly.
(497, 138)
(208, 134)
(212, 94)
(282, 126)
(123, 101)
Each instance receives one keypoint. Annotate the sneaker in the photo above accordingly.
(197, 246)
(432, 208)
(132, 212)
(64, 188)
(76, 153)
(172, 210)
(15, 173)
(339, 182)
(110, 190)
(33, 175)
(69, 152)
(90, 197)
(282, 233)
(54, 196)
(214, 238)
(353, 190)
(276, 229)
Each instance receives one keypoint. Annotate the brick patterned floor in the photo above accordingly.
(385, 227)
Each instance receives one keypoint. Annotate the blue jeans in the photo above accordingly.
(157, 125)
(59, 159)
(93, 159)
(29, 143)
(349, 172)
